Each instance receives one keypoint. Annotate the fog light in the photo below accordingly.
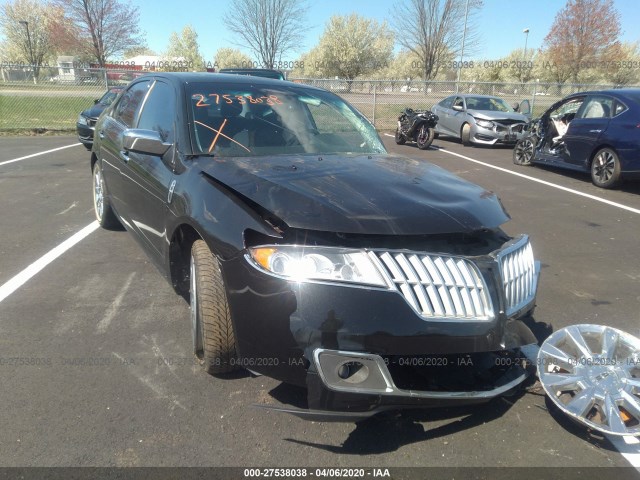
(353, 372)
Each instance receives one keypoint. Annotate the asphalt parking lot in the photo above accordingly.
(95, 364)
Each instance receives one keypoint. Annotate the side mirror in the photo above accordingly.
(95, 102)
(458, 108)
(144, 141)
(516, 107)
(524, 107)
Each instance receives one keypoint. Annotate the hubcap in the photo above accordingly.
(193, 295)
(98, 193)
(604, 166)
(592, 373)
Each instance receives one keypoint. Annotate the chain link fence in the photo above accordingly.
(54, 100)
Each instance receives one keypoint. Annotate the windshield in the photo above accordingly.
(492, 104)
(234, 120)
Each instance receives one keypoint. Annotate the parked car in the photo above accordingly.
(481, 119)
(596, 132)
(310, 254)
(85, 125)
(255, 72)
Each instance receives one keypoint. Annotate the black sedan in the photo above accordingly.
(596, 132)
(310, 254)
(88, 118)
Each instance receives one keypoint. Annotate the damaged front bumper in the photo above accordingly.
(443, 332)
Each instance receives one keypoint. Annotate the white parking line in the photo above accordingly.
(629, 447)
(544, 182)
(39, 153)
(23, 277)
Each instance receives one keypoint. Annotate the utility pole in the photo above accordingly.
(464, 36)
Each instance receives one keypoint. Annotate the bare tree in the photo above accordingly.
(581, 35)
(269, 28)
(433, 30)
(105, 27)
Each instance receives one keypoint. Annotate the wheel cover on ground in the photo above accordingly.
(592, 373)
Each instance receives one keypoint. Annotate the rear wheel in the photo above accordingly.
(465, 134)
(101, 206)
(605, 169)
(211, 328)
(524, 150)
(425, 137)
(400, 139)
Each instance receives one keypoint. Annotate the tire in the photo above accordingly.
(424, 138)
(465, 135)
(101, 206)
(605, 169)
(211, 329)
(400, 139)
(524, 150)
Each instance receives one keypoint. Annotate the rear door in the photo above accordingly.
(586, 129)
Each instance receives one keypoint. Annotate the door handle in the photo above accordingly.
(101, 134)
(595, 131)
(124, 156)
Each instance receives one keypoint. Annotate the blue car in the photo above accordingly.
(596, 132)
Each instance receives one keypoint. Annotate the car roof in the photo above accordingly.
(183, 78)
(627, 93)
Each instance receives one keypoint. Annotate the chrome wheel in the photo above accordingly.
(592, 373)
(196, 335)
(523, 152)
(98, 193)
(605, 169)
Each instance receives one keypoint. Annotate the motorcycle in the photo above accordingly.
(416, 126)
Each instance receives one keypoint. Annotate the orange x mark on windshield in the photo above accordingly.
(218, 134)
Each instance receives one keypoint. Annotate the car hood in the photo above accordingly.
(364, 194)
(491, 115)
(95, 111)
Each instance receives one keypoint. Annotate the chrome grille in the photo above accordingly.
(438, 286)
(517, 268)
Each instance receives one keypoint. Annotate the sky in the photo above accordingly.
(500, 22)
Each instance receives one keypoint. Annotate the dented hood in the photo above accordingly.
(365, 194)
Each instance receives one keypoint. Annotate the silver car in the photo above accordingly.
(481, 119)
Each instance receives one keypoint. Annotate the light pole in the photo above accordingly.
(33, 67)
(464, 36)
(526, 37)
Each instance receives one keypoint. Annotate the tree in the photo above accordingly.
(432, 30)
(621, 67)
(26, 25)
(352, 46)
(105, 28)
(231, 58)
(184, 48)
(520, 64)
(269, 28)
(581, 34)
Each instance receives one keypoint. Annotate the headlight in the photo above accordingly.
(327, 264)
(82, 120)
(484, 123)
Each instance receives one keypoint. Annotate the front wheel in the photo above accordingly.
(524, 150)
(465, 135)
(425, 137)
(400, 138)
(605, 169)
(211, 329)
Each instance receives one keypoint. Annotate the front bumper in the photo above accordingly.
(293, 331)
(85, 132)
(499, 134)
